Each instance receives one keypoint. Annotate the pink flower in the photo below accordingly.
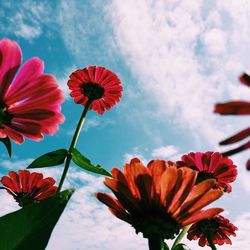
(211, 165)
(29, 100)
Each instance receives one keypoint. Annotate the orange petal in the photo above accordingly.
(196, 194)
(168, 183)
(202, 215)
(189, 178)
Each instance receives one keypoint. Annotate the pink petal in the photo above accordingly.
(10, 60)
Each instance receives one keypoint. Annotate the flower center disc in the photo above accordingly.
(208, 226)
(166, 227)
(204, 176)
(5, 117)
(92, 90)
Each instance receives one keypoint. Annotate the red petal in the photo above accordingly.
(233, 108)
(237, 137)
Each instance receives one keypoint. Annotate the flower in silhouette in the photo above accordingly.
(159, 199)
(29, 100)
(28, 187)
(236, 108)
(96, 84)
(211, 165)
(217, 228)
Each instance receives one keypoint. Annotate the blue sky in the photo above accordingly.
(175, 60)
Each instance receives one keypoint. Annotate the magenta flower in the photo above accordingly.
(30, 101)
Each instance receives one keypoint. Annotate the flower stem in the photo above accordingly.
(73, 143)
(155, 242)
(180, 236)
(211, 243)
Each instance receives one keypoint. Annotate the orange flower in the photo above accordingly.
(159, 199)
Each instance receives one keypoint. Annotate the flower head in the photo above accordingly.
(211, 165)
(218, 228)
(236, 108)
(159, 199)
(97, 84)
(29, 100)
(28, 187)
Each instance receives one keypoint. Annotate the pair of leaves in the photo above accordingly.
(7, 143)
(58, 157)
(31, 226)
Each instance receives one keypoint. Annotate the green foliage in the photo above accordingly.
(7, 143)
(85, 163)
(181, 247)
(31, 226)
(50, 159)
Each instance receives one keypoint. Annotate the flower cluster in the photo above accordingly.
(163, 197)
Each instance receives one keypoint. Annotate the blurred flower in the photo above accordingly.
(159, 199)
(236, 108)
(98, 84)
(218, 228)
(211, 165)
(28, 187)
(29, 101)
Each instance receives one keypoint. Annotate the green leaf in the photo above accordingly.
(31, 226)
(7, 143)
(50, 159)
(181, 246)
(85, 163)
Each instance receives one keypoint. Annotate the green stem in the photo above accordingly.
(211, 243)
(180, 236)
(155, 242)
(73, 143)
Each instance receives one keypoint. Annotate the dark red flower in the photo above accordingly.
(28, 187)
(211, 165)
(159, 199)
(98, 84)
(236, 108)
(29, 101)
(218, 228)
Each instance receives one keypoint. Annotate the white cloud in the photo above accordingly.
(164, 152)
(185, 55)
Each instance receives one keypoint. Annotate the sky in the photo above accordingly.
(175, 59)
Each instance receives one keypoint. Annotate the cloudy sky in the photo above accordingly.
(175, 58)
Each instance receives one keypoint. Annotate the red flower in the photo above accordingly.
(211, 165)
(159, 199)
(218, 228)
(28, 187)
(236, 108)
(29, 101)
(98, 84)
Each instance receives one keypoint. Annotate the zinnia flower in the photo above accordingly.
(28, 187)
(30, 100)
(97, 84)
(218, 229)
(211, 165)
(159, 199)
(236, 108)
